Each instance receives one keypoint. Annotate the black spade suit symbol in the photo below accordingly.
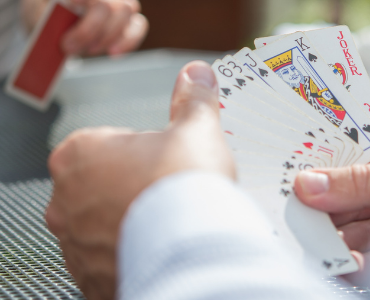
(241, 82)
(227, 92)
(310, 134)
(263, 72)
(353, 134)
(366, 128)
(312, 57)
(327, 264)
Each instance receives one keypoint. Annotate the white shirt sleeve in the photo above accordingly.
(197, 236)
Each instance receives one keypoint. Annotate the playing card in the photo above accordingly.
(240, 109)
(246, 133)
(36, 75)
(274, 134)
(236, 66)
(268, 102)
(297, 63)
(249, 59)
(342, 57)
(309, 233)
(243, 147)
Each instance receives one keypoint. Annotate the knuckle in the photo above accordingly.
(137, 6)
(360, 177)
(64, 154)
(127, 7)
(106, 6)
(50, 221)
(84, 33)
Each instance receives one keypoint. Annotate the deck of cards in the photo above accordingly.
(298, 102)
(37, 73)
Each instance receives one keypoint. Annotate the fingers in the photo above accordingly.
(359, 259)
(355, 216)
(335, 190)
(195, 95)
(81, 149)
(356, 235)
(101, 26)
(136, 7)
(132, 37)
(112, 30)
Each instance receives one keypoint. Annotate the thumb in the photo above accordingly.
(335, 190)
(195, 97)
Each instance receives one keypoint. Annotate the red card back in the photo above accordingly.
(46, 55)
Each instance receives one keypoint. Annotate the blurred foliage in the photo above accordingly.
(354, 13)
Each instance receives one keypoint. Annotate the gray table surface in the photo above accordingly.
(132, 91)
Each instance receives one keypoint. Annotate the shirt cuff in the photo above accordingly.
(184, 206)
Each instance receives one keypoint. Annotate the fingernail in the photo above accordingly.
(314, 183)
(201, 73)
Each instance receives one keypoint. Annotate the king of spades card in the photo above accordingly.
(293, 68)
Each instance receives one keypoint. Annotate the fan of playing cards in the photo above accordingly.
(298, 102)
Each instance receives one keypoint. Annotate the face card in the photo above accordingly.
(268, 126)
(34, 79)
(342, 57)
(268, 120)
(249, 59)
(236, 66)
(351, 152)
(268, 104)
(300, 66)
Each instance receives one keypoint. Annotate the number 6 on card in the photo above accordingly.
(36, 75)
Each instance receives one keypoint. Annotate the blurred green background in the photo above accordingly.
(354, 13)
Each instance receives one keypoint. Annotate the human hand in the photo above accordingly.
(345, 194)
(97, 173)
(108, 26)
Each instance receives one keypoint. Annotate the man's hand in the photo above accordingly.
(107, 26)
(98, 173)
(345, 194)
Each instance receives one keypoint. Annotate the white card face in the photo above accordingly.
(274, 108)
(243, 146)
(351, 151)
(247, 132)
(237, 66)
(269, 163)
(283, 110)
(249, 59)
(240, 109)
(307, 232)
(338, 49)
(38, 71)
(296, 61)
(264, 41)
